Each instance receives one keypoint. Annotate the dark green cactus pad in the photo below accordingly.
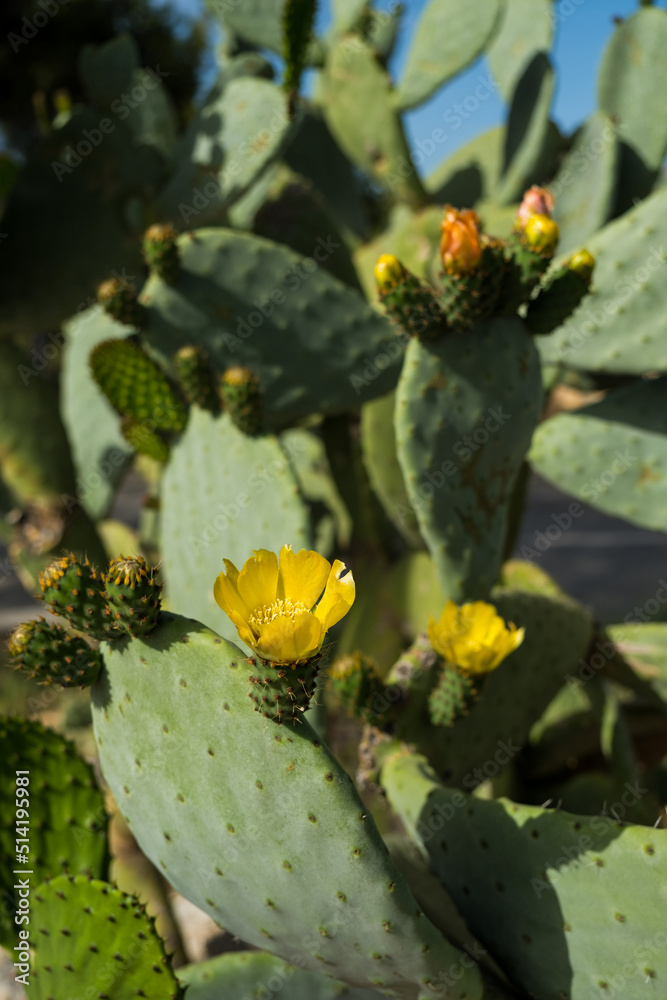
(371, 135)
(298, 16)
(631, 73)
(451, 697)
(524, 269)
(247, 498)
(556, 300)
(282, 693)
(50, 655)
(67, 819)
(133, 595)
(448, 38)
(526, 29)
(118, 298)
(619, 327)
(135, 386)
(235, 976)
(75, 591)
(192, 368)
(310, 339)
(467, 299)
(242, 399)
(469, 175)
(143, 439)
(378, 447)
(356, 683)
(585, 186)
(460, 456)
(613, 453)
(531, 140)
(570, 906)
(178, 738)
(515, 694)
(160, 251)
(88, 935)
(100, 453)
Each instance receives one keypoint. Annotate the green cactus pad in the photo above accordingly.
(471, 173)
(74, 590)
(632, 72)
(192, 368)
(612, 454)
(311, 340)
(67, 819)
(585, 186)
(355, 682)
(242, 399)
(143, 439)
(619, 327)
(237, 976)
(88, 934)
(161, 251)
(371, 134)
(570, 906)
(449, 36)
(246, 498)
(557, 634)
(451, 697)
(186, 746)
(100, 453)
(241, 129)
(135, 386)
(133, 595)
(49, 654)
(378, 444)
(524, 269)
(261, 22)
(460, 457)
(531, 144)
(525, 30)
(559, 296)
(331, 523)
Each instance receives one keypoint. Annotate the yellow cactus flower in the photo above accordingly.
(388, 271)
(536, 201)
(282, 610)
(541, 234)
(473, 637)
(460, 248)
(582, 263)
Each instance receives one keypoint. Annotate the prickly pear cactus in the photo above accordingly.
(466, 408)
(165, 748)
(47, 653)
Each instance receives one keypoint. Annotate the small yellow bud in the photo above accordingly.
(388, 271)
(20, 638)
(582, 263)
(160, 232)
(542, 234)
(460, 248)
(238, 376)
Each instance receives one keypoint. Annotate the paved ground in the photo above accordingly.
(608, 564)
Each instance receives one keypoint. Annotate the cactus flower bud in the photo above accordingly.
(536, 201)
(582, 263)
(460, 248)
(160, 250)
(541, 234)
(388, 271)
(241, 397)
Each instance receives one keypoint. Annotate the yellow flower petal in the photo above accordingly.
(303, 576)
(288, 640)
(258, 580)
(246, 634)
(473, 637)
(227, 595)
(338, 596)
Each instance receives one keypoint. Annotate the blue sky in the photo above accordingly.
(580, 39)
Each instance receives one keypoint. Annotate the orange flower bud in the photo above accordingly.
(460, 247)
